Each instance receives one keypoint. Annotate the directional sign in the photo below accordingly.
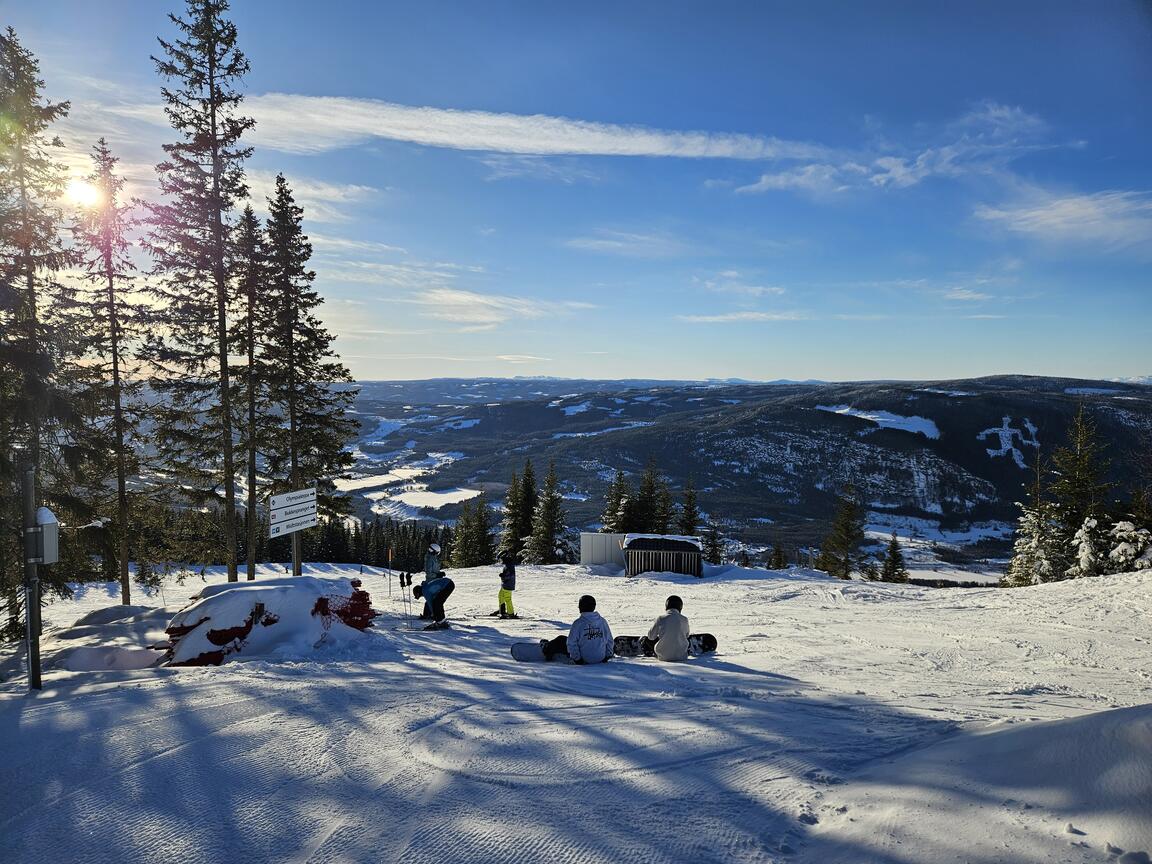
(292, 511)
(298, 524)
(284, 514)
(288, 499)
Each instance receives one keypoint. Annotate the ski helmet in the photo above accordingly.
(435, 547)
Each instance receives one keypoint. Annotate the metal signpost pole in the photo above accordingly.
(32, 559)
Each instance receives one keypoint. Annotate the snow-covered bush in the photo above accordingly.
(1132, 548)
(1089, 559)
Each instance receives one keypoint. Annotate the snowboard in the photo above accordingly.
(531, 652)
(630, 646)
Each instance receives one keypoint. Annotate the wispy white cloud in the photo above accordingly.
(984, 141)
(1108, 221)
(738, 317)
(630, 244)
(510, 166)
(322, 201)
(522, 358)
(967, 295)
(342, 245)
(487, 311)
(293, 123)
(735, 282)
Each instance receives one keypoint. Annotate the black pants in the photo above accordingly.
(559, 645)
(437, 602)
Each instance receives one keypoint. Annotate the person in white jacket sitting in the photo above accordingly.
(668, 637)
(589, 640)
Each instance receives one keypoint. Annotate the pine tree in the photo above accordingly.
(840, 552)
(1132, 548)
(251, 263)
(1034, 553)
(299, 367)
(1077, 491)
(1087, 543)
(778, 561)
(713, 544)
(646, 502)
(38, 415)
(617, 491)
(114, 327)
(549, 543)
(688, 521)
(893, 568)
(664, 511)
(201, 178)
(510, 544)
(473, 545)
(529, 500)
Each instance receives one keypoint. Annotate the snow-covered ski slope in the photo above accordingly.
(837, 722)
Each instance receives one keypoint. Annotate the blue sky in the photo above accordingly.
(682, 190)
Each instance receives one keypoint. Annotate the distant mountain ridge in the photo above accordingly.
(760, 454)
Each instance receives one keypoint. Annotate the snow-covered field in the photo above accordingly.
(838, 722)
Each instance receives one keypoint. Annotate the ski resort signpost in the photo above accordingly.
(291, 513)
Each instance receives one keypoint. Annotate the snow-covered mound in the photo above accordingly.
(288, 616)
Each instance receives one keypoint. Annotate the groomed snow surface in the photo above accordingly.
(838, 722)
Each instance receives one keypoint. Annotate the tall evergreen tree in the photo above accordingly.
(664, 511)
(840, 553)
(115, 332)
(473, 546)
(549, 542)
(618, 491)
(1078, 491)
(510, 544)
(37, 414)
(893, 568)
(688, 521)
(777, 561)
(646, 501)
(713, 544)
(251, 264)
(299, 367)
(1035, 558)
(529, 500)
(200, 179)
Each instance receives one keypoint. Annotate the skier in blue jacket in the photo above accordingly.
(589, 640)
(435, 592)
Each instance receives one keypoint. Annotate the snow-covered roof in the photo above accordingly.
(695, 541)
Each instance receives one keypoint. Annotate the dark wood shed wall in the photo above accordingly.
(663, 561)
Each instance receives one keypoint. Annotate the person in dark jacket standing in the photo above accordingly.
(505, 609)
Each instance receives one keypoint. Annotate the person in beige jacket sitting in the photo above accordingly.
(668, 637)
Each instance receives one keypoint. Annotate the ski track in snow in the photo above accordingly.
(434, 747)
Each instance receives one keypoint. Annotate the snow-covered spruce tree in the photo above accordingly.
(647, 501)
(840, 553)
(688, 520)
(893, 568)
(115, 321)
(549, 542)
(307, 422)
(713, 544)
(617, 491)
(250, 260)
(1131, 548)
(664, 512)
(42, 383)
(1078, 491)
(510, 544)
(200, 179)
(1088, 544)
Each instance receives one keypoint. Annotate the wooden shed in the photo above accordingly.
(663, 553)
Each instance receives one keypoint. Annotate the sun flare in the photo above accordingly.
(84, 194)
